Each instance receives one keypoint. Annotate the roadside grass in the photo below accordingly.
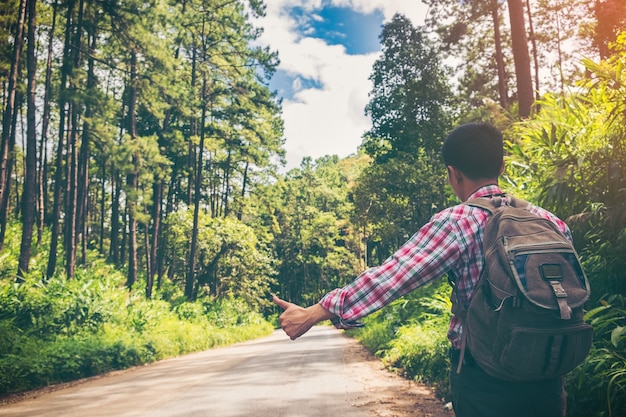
(409, 336)
(65, 330)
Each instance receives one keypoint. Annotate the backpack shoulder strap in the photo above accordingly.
(518, 203)
(489, 203)
(492, 203)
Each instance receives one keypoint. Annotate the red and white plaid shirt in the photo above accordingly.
(451, 243)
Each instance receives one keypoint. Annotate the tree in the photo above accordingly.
(231, 260)
(235, 124)
(569, 158)
(411, 108)
(410, 98)
(525, 95)
(8, 116)
(307, 216)
(30, 181)
(126, 119)
(503, 92)
(61, 164)
(474, 37)
(474, 34)
(610, 18)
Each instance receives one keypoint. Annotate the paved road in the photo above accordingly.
(273, 376)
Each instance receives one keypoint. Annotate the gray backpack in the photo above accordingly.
(525, 317)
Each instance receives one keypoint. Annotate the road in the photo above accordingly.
(324, 373)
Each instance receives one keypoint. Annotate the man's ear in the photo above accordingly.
(501, 168)
(456, 174)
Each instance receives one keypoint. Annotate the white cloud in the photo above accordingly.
(415, 10)
(330, 119)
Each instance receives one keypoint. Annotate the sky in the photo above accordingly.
(327, 49)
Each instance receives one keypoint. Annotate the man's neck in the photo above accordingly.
(471, 186)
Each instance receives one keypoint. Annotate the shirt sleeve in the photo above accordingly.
(427, 255)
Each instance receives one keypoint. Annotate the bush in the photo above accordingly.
(597, 388)
(64, 330)
(409, 335)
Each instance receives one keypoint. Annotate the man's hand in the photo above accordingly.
(296, 320)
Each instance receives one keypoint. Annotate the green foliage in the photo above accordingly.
(561, 157)
(603, 248)
(570, 156)
(410, 335)
(68, 329)
(393, 210)
(308, 217)
(411, 106)
(420, 350)
(232, 262)
(411, 98)
(597, 388)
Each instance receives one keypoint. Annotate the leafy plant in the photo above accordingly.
(68, 329)
(410, 335)
(598, 386)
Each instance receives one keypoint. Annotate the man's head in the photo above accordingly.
(476, 150)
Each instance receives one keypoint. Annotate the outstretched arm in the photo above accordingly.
(296, 320)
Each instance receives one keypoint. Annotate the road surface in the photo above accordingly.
(322, 374)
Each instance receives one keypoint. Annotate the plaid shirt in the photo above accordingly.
(451, 243)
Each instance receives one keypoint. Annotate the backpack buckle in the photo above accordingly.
(561, 299)
(558, 289)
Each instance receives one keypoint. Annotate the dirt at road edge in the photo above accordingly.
(392, 395)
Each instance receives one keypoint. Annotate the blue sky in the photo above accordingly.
(357, 32)
(327, 49)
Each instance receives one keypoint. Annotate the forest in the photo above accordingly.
(144, 214)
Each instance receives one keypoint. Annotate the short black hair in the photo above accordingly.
(476, 149)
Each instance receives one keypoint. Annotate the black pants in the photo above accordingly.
(477, 394)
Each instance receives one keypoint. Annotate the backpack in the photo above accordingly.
(525, 318)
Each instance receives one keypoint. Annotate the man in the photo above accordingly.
(451, 243)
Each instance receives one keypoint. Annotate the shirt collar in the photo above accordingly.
(486, 191)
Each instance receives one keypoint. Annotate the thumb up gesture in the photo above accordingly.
(296, 320)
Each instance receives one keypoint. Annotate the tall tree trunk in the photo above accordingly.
(5, 203)
(103, 193)
(191, 274)
(45, 123)
(559, 45)
(146, 247)
(83, 160)
(124, 242)
(191, 156)
(69, 238)
(243, 189)
(8, 134)
(114, 249)
(226, 189)
(610, 16)
(503, 91)
(30, 180)
(170, 206)
(71, 212)
(157, 214)
(533, 40)
(131, 180)
(19, 107)
(64, 109)
(521, 57)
